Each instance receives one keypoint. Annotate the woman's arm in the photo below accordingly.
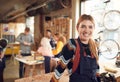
(58, 48)
(67, 54)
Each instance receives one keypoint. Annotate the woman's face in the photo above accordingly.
(55, 38)
(85, 30)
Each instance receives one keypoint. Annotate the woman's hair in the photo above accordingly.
(61, 37)
(85, 17)
(93, 47)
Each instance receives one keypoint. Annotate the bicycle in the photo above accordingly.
(111, 23)
(108, 48)
(106, 18)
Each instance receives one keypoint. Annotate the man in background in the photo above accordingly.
(26, 40)
(49, 35)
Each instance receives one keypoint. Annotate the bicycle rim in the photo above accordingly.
(111, 20)
(109, 49)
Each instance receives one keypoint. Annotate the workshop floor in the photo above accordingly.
(11, 70)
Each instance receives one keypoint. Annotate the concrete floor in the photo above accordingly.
(11, 70)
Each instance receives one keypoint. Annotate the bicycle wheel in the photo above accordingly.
(111, 20)
(109, 49)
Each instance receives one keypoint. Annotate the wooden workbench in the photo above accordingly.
(32, 66)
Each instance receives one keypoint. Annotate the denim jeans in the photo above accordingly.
(21, 67)
(47, 64)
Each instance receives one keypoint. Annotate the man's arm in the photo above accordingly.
(31, 42)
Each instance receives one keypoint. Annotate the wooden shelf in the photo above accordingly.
(61, 25)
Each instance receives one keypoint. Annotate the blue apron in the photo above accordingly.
(86, 71)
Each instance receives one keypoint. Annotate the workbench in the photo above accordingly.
(32, 66)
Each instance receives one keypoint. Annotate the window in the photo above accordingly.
(30, 24)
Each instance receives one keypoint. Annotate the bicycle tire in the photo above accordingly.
(109, 49)
(111, 20)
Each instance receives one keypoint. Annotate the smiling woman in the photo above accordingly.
(80, 55)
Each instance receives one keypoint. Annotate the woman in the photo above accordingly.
(60, 40)
(80, 55)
